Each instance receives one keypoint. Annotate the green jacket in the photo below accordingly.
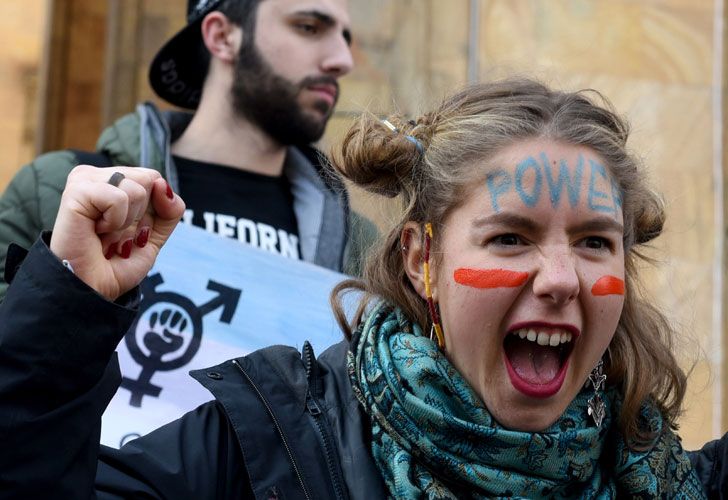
(330, 234)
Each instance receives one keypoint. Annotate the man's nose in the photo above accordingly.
(556, 280)
(337, 60)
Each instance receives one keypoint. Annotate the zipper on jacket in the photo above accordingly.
(321, 426)
(278, 428)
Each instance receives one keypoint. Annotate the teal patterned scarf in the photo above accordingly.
(432, 437)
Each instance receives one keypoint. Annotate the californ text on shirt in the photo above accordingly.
(256, 234)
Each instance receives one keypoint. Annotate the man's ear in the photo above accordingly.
(221, 37)
(412, 245)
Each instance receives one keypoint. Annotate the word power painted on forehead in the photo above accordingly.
(535, 178)
(489, 278)
(608, 285)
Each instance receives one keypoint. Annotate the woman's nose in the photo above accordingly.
(556, 279)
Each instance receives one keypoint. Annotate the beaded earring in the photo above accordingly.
(428, 290)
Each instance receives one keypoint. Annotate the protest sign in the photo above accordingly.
(209, 299)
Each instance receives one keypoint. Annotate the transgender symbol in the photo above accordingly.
(167, 332)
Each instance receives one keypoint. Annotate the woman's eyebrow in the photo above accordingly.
(600, 223)
(508, 219)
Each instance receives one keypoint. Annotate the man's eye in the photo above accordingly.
(308, 28)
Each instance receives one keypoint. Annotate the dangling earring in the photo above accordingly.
(428, 290)
(596, 406)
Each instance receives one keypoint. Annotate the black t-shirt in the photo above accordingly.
(252, 208)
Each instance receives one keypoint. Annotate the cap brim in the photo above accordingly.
(178, 71)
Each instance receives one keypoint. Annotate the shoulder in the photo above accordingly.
(287, 362)
(363, 234)
(324, 169)
(144, 133)
(49, 170)
(38, 182)
(121, 140)
(46, 175)
(272, 367)
(711, 465)
(362, 228)
(272, 371)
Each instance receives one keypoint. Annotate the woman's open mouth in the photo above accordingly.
(537, 358)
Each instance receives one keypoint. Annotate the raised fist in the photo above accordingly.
(111, 224)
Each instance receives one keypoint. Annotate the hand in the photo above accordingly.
(111, 235)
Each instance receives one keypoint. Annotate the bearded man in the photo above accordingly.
(262, 79)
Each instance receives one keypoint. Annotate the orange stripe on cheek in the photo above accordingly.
(490, 278)
(608, 285)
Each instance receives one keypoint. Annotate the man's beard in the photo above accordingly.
(270, 100)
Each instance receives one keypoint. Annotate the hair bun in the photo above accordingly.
(649, 218)
(377, 158)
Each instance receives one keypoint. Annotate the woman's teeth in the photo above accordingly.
(551, 337)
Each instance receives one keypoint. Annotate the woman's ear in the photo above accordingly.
(221, 37)
(413, 255)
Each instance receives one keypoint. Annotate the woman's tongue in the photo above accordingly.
(536, 364)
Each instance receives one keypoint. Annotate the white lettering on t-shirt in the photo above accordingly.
(256, 234)
(288, 244)
(247, 232)
(226, 225)
(268, 237)
(209, 221)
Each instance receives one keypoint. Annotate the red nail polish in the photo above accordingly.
(142, 237)
(170, 193)
(110, 252)
(126, 249)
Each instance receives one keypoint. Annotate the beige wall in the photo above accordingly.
(22, 25)
(655, 59)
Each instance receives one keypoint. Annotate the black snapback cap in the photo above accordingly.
(178, 71)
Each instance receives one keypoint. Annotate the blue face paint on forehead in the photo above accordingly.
(572, 183)
(530, 199)
(598, 200)
(563, 180)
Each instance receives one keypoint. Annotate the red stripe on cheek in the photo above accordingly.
(608, 285)
(490, 278)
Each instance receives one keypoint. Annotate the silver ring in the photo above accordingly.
(116, 179)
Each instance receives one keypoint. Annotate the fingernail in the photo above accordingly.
(126, 249)
(170, 193)
(142, 237)
(110, 252)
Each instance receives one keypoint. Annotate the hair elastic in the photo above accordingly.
(410, 138)
(428, 289)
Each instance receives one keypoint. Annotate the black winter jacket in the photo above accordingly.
(283, 425)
